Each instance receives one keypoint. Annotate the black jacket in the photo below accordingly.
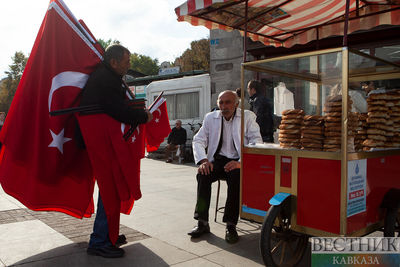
(260, 105)
(104, 87)
(177, 136)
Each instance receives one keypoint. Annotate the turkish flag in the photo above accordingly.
(116, 164)
(40, 163)
(158, 129)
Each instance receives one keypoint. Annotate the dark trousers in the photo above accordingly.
(99, 238)
(204, 183)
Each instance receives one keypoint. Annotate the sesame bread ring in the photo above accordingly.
(313, 145)
(376, 102)
(310, 140)
(377, 114)
(311, 131)
(313, 123)
(292, 116)
(313, 136)
(333, 129)
(312, 127)
(334, 114)
(332, 109)
(296, 136)
(333, 119)
(378, 96)
(376, 120)
(375, 131)
(290, 131)
(292, 111)
(313, 118)
(333, 134)
(289, 126)
(292, 121)
(372, 143)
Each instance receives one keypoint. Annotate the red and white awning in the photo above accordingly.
(289, 22)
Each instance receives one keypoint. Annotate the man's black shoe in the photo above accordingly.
(199, 230)
(121, 240)
(106, 252)
(231, 236)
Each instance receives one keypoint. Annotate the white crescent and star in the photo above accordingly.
(59, 140)
(67, 78)
(133, 137)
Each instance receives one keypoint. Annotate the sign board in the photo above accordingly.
(139, 91)
(356, 186)
(166, 71)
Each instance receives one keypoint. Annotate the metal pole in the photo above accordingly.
(346, 23)
(245, 31)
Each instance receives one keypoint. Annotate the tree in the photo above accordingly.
(197, 57)
(9, 85)
(105, 44)
(144, 64)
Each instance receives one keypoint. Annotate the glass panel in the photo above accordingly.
(187, 105)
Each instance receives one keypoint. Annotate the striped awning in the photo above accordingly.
(289, 22)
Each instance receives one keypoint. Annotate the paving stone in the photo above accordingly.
(77, 230)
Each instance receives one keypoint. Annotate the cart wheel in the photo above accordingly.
(279, 245)
(392, 223)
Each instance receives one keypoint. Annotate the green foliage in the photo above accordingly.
(144, 64)
(197, 57)
(105, 44)
(9, 85)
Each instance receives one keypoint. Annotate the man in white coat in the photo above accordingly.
(220, 135)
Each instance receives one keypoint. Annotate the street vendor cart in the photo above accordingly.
(319, 192)
(344, 182)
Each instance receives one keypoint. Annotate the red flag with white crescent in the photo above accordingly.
(41, 165)
(158, 129)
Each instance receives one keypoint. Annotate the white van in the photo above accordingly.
(188, 99)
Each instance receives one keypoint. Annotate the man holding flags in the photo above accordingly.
(106, 89)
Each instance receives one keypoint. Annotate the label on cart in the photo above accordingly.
(356, 186)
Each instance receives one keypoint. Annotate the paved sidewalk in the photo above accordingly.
(156, 229)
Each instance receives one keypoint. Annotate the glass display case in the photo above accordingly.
(338, 125)
(312, 84)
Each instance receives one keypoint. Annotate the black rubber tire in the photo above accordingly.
(391, 223)
(279, 245)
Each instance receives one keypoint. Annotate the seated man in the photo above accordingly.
(220, 134)
(176, 139)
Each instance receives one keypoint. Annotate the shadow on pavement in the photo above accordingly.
(75, 255)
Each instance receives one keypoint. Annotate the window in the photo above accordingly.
(182, 106)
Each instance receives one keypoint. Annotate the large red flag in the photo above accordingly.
(41, 165)
(158, 129)
(116, 164)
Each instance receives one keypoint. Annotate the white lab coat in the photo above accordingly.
(209, 133)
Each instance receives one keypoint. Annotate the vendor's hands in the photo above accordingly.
(149, 115)
(232, 165)
(205, 168)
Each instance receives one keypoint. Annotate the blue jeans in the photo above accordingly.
(99, 237)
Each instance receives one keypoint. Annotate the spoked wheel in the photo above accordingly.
(392, 223)
(279, 245)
